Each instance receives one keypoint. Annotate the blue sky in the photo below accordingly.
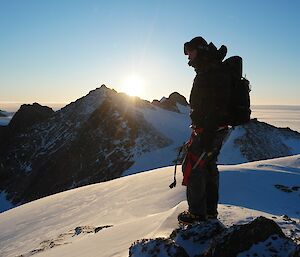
(59, 50)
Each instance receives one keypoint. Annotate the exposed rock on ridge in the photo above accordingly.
(263, 141)
(171, 102)
(213, 239)
(28, 115)
(91, 140)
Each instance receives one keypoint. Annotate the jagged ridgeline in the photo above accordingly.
(105, 135)
(90, 140)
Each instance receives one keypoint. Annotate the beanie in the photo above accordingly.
(198, 43)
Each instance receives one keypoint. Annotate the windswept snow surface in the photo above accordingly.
(143, 206)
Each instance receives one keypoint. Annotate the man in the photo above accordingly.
(209, 102)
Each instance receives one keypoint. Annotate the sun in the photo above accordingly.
(133, 85)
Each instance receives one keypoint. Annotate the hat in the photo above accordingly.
(198, 43)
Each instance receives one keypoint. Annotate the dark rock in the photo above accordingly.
(3, 133)
(283, 188)
(28, 115)
(199, 237)
(178, 98)
(171, 102)
(212, 239)
(159, 247)
(198, 232)
(97, 229)
(241, 237)
(261, 141)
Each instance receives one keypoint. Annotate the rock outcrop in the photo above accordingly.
(28, 115)
(261, 141)
(171, 102)
(261, 237)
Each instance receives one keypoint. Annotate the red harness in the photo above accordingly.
(191, 160)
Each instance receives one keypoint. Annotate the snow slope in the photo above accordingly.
(173, 126)
(104, 219)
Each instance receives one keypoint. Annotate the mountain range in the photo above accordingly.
(105, 135)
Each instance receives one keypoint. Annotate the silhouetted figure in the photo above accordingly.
(209, 102)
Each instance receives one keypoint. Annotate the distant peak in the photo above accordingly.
(178, 98)
(28, 115)
(171, 102)
(102, 88)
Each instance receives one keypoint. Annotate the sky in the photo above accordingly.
(56, 51)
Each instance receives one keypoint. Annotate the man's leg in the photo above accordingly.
(212, 182)
(196, 193)
(212, 189)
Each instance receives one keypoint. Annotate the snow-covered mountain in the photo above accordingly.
(104, 219)
(93, 139)
(258, 141)
(105, 135)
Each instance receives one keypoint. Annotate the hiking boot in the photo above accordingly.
(188, 218)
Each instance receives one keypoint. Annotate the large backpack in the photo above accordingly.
(239, 109)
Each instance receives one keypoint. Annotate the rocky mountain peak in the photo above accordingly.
(178, 98)
(94, 139)
(171, 103)
(28, 115)
(88, 103)
(261, 140)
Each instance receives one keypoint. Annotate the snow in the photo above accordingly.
(293, 144)
(175, 127)
(170, 124)
(276, 244)
(253, 181)
(230, 153)
(143, 206)
(92, 100)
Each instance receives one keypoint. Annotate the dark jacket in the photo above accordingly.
(210, 97)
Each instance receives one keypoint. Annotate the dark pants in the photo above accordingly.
(203, 186)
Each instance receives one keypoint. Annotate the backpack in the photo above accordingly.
(239, 108)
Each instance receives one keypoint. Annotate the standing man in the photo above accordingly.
(209, 102)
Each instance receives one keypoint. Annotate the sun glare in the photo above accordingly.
(133, 85)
